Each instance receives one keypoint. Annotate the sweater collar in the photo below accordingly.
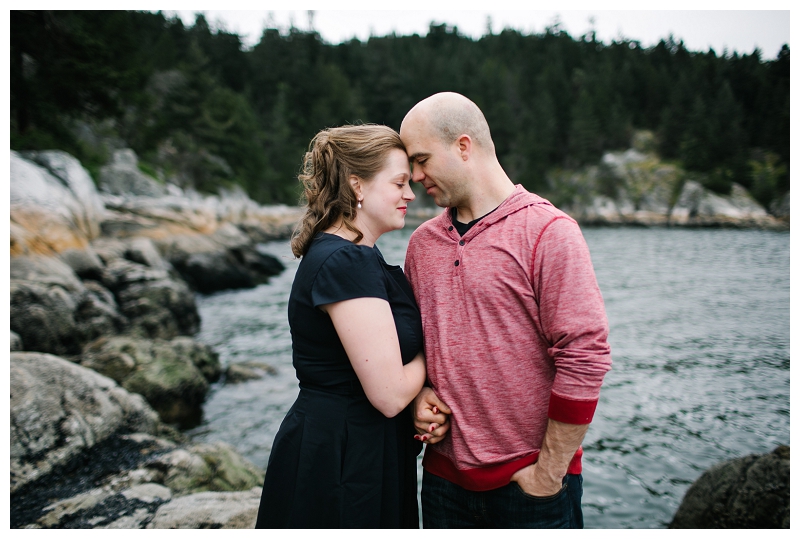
(520, 198)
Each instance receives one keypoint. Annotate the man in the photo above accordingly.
(515, 333)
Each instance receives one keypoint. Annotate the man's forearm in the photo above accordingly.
(561, 441)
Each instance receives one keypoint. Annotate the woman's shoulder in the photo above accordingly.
(343, 270)
(333, 255)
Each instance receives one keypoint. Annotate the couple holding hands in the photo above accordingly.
(490, 348)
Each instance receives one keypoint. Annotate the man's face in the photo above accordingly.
(434, 164)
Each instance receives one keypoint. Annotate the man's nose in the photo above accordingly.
(417, 175)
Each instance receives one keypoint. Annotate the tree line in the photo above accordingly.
(201, 108)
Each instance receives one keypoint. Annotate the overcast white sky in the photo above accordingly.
(699, 25)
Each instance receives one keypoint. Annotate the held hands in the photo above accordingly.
(535, 481)
(430, 417)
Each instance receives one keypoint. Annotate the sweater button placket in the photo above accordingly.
(460, 252)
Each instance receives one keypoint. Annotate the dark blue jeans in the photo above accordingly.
(447, 505)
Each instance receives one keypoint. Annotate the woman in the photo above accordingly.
(345, 455)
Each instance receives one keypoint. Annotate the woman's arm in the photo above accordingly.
(367, 331)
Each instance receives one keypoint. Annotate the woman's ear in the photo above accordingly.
(355, 183)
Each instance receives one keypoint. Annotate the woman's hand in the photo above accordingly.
(430, 417)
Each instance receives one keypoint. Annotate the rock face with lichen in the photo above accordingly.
(86, 453)
(748, 492)
(58, 410)
(173, 376)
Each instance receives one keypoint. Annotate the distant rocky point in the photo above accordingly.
(635, 188)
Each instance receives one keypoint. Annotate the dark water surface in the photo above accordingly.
(699, 335)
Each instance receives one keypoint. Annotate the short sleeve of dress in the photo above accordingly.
(350, 272)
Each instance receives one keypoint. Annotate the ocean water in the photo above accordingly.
(699, 333)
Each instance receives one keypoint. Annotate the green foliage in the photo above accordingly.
(203, 112)
(766, 174)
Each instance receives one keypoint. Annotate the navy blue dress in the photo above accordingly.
(337, 462)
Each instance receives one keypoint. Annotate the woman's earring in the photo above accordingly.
(358, 205)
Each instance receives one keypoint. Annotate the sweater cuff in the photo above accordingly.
(571, 411)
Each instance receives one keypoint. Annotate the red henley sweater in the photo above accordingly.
(515, 333)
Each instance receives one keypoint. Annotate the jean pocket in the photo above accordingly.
(550, 498)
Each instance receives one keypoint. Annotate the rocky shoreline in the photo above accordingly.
(104, 368)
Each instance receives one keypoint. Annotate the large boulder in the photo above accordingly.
(77, 179)
(123, 177)
(51, 213)
(59, 410)
(84, 262)
(260, 223)
(172, 375)
(748, 492)
(157, 305)
(701, 207)
(223, 260)
(53, 311)
(15, 342)
(44, 318)
(123, 481)
(209, 510)
(207, 467)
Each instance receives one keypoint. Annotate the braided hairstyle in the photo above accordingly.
(334, 155)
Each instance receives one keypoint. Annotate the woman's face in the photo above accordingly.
(384, 199)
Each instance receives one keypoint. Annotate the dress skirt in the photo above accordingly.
(337, 462)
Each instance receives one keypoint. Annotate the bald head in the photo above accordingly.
(449, 115)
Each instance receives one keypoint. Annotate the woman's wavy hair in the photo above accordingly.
(333, 155)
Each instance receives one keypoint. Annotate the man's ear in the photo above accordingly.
(464, 145)
(355, 183)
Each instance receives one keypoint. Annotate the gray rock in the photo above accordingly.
(57, 512)
(699, 206)
(148, 492)
(84, 262)
(143, 251)
(780, 207)
(109, 249)
(45, 271)
(236, 373)
(201, 355)
(44, 317)
(77, 179)
(171, 375)
(98, 314)
(224, 260)
(59, 409)
(53, 311)
(137, 520)
(47, 215)
(99, 488)
(211, 272)
(209, 510)
(16, 342)
(207, 466)
(122, 177)
(748, 492)
(157, 305)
